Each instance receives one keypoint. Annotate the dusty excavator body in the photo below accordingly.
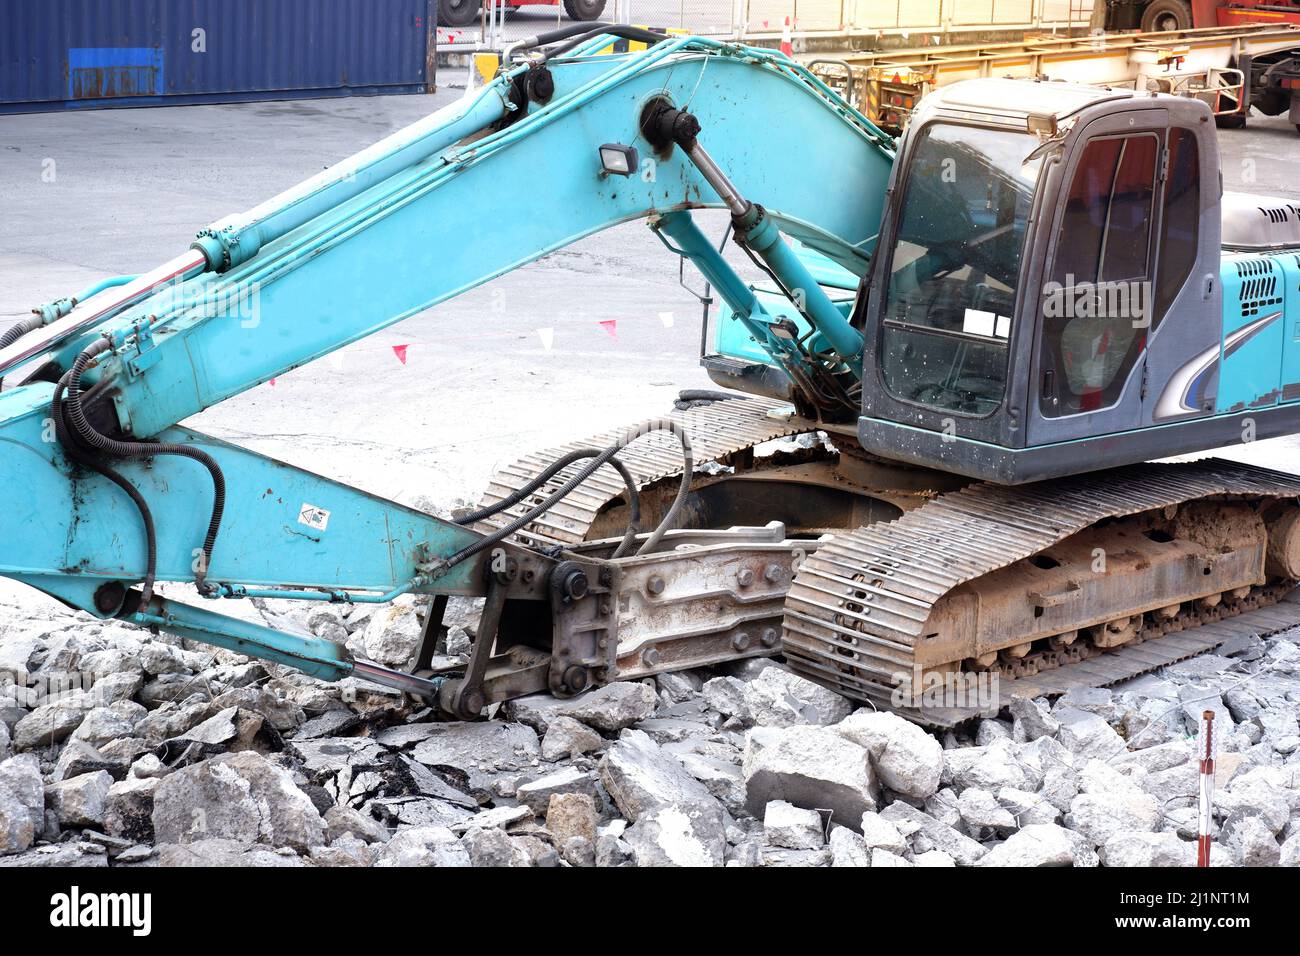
(965, 344)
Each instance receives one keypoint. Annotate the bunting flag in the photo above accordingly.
(667, 319)
(547, 336)
(400, 352)
(610, 326)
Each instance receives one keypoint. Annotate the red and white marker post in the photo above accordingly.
(1205, 746)
(787, 41)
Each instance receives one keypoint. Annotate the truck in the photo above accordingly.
(1271, 80)
(460, 13)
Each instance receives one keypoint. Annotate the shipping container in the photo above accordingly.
(71, 54)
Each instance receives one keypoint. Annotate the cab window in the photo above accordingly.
(1097, 302)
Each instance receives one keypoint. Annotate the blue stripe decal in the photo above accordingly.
(101, 72)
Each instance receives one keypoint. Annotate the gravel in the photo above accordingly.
(178, 756)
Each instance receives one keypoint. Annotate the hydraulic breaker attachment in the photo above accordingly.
(701, 598)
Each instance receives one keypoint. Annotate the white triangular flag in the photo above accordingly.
(547, 336)
(667, 319)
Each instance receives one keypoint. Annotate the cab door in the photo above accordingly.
(1096, 297)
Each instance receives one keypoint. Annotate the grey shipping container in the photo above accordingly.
(69, 54)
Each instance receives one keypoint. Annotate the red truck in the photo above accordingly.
(1273, 79)
(459, 13)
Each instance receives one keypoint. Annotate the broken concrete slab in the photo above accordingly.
(80, 801)
(1038, 845)
(240, 796)
(570, 815)
(779, 698)
(128, 809)
(816, 768)
(791, 827)
(848, 848)
(1100, 816)
(678, 834)
(610, 708)
(639, 776)
(22, 803)
(907, 760)
(926, 833)
(536, 794)
(566, 738)
(481, 749)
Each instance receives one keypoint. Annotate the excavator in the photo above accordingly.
(928, 463)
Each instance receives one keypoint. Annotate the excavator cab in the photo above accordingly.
(1046, 288)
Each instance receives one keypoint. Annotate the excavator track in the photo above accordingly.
(861, 606)
(716, 429)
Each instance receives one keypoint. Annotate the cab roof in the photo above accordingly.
(1024, 97)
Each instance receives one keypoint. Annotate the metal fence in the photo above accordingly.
(499, 24)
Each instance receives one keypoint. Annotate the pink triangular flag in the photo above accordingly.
(273, 383)
(400, 352)
(610, 326)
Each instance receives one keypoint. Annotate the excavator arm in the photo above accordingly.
(112, 493)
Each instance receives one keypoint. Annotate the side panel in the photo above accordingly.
(1254, 328)
(1290, 265)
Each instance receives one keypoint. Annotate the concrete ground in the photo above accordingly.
(133, 186)
(130, 188)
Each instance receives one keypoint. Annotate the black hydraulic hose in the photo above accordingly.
(135, 449)
(633, 495)
(17, 331)
(77, 454)
(566, 31)
(611, 29)
(586, 472)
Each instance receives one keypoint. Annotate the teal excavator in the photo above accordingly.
(978, 335)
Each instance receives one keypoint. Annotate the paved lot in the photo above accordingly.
(131, 187)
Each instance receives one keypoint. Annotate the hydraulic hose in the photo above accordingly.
(17, 331)
(77, 454)
(633, 495)
(688, 465)
(611, 29)
(98, 442)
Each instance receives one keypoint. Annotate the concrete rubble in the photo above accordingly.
(172, 754)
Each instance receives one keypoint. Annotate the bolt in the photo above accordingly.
(772, 573)
(655, 585)
(650, 656)
(770, 637)
(745, 578)
(575, 678)
(472, 702)
(741, 641)
(575, 585)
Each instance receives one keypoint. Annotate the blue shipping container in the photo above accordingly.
(61, 54)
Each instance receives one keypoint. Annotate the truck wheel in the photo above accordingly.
(1230, 121)
(457, 13)
(584, 9)
(1163, 16)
